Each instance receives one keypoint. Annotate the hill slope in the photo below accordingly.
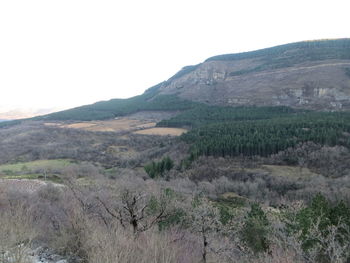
(310, 75)
(150, 101)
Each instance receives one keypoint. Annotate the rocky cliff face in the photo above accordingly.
(300, 76)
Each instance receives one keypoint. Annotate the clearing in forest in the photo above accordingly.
(116, 125)
(162, 131)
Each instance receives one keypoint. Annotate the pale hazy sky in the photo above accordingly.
(65, 53)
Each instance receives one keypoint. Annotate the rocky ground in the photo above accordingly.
(44, 255)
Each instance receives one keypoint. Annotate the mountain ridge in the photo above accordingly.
(311, 75)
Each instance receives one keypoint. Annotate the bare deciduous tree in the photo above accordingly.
(205, 220)
(16, 233)
(138, 210)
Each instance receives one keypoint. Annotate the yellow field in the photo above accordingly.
(162, 131)
(80, 125)
(122, 124)
(137, 126)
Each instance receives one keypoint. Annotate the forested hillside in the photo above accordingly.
(300, 52)
(119, 107)
(259, 130)
(204, 114)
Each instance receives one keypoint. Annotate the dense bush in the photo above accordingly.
(256, 230)
(130, 219)
(323, 228)
(157, 169)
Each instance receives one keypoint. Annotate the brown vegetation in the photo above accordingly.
(34, 141)
(23, 185)
(129, 219)
(109, 210)
(162, 131)
(117, 125)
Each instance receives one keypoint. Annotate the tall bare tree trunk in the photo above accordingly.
(205, 245)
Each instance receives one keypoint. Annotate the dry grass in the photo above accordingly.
(137, 126)
(162, 131)
(133, 125)
(117, 125)
(290, 171)
(147, 125)
(16, 234)
(122, 151)
(284, 170)
(80, 125)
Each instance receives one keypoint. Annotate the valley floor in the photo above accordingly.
(82, 190)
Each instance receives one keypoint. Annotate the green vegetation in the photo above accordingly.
(265, 137)
(347, 72)
(321, 225)
(282, 56)
(40, 169)
(228, 131)
(157, 169)
(207, 213)
(255, 230)
(120, 107)
(203, 115)
(290, 54)
(30, 166)
(5, 124)
(269, 58)
(50, 177)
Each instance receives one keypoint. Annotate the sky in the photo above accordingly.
(66, 53)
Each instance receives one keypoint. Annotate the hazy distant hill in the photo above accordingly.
(311, 75)
(21, 113)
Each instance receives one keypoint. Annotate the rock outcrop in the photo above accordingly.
(312, 75)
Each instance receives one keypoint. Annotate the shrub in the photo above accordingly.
(256, 230)
(324, 230)
(158, 169)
